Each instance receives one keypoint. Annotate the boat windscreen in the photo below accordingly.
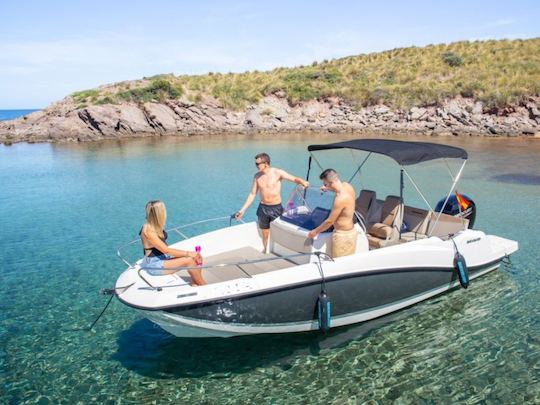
(304, 218)
(308, 208)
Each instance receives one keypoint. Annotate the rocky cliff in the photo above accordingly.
(65, 121)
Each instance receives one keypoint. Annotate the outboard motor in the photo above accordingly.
(459, 205)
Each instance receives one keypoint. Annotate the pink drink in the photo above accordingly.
(198, 250)
(290, 205)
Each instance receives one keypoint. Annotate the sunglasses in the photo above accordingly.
(260, 163)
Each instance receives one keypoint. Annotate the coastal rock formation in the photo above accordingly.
(65, 121)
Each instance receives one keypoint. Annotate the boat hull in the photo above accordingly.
(354, 299)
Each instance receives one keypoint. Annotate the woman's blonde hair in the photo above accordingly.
(156, 216)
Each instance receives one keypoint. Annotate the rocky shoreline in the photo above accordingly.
(65, 121)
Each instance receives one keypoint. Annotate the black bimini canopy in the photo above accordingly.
(403, 152)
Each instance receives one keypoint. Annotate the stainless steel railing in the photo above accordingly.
(177, 230)
(237, 264)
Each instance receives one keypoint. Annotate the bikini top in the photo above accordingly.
(155, 251)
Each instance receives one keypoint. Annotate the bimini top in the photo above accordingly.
(403, 152)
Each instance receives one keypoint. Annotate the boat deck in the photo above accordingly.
(239, 269)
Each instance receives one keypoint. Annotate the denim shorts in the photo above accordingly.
(154, 264)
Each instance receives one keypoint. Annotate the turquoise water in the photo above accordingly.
(66, 208)
(12, 114)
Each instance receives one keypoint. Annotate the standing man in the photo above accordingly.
(267, 181)
(344, 235)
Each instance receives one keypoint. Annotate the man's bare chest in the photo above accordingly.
(268, 181)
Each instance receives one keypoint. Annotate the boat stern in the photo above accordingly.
(503, 246)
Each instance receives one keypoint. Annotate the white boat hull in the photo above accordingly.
(193, 328)
(361, 287)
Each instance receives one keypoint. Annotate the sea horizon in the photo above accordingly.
(13, 113)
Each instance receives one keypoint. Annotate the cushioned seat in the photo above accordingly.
(386, 231)
(364, 202)
(416, 220)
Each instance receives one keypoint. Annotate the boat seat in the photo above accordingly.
(231, 272)
(446, 225)
(422, 224)
(417, 221)
(364, 202)
(386, 231)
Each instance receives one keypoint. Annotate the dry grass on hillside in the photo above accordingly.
(496, 72)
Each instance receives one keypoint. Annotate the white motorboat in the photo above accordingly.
(404, 255)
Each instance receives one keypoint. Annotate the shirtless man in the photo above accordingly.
(344, 235)
(267, 181)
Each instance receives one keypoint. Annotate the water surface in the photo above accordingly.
(12, 114)
(66, 208)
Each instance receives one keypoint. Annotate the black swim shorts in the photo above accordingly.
(267, 213)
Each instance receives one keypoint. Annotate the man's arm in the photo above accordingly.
(286, 176)
(328, 222)
(251, 196)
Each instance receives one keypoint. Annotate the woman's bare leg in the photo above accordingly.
(196, 274)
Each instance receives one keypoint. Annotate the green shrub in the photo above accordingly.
(157, 90)
(105, 100)
(81, 96)
(159, 76)
(452, 59)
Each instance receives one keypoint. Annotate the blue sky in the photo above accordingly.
(49, 49)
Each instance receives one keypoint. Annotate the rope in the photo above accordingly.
(507, 265)
(323, 281)
(102, 312)
(319, 266)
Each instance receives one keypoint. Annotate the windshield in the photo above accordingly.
(308, 208)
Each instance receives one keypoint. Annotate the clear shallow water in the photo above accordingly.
(66, 208)
(12, 114)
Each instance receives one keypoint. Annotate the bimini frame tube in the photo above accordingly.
(454, 184)
(401, 198)
(417, 189)
(455, 180)
(359, 167)
(308, 167)
(312, 156)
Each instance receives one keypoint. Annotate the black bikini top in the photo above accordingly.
(155, 251)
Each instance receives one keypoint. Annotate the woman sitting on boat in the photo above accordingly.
(158, 257)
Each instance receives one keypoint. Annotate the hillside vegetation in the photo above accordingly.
(497, 73)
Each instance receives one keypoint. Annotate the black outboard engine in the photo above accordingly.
(458, 205)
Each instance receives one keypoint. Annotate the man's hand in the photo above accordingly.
(305, 184)
(312, 234)
(238, 216)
